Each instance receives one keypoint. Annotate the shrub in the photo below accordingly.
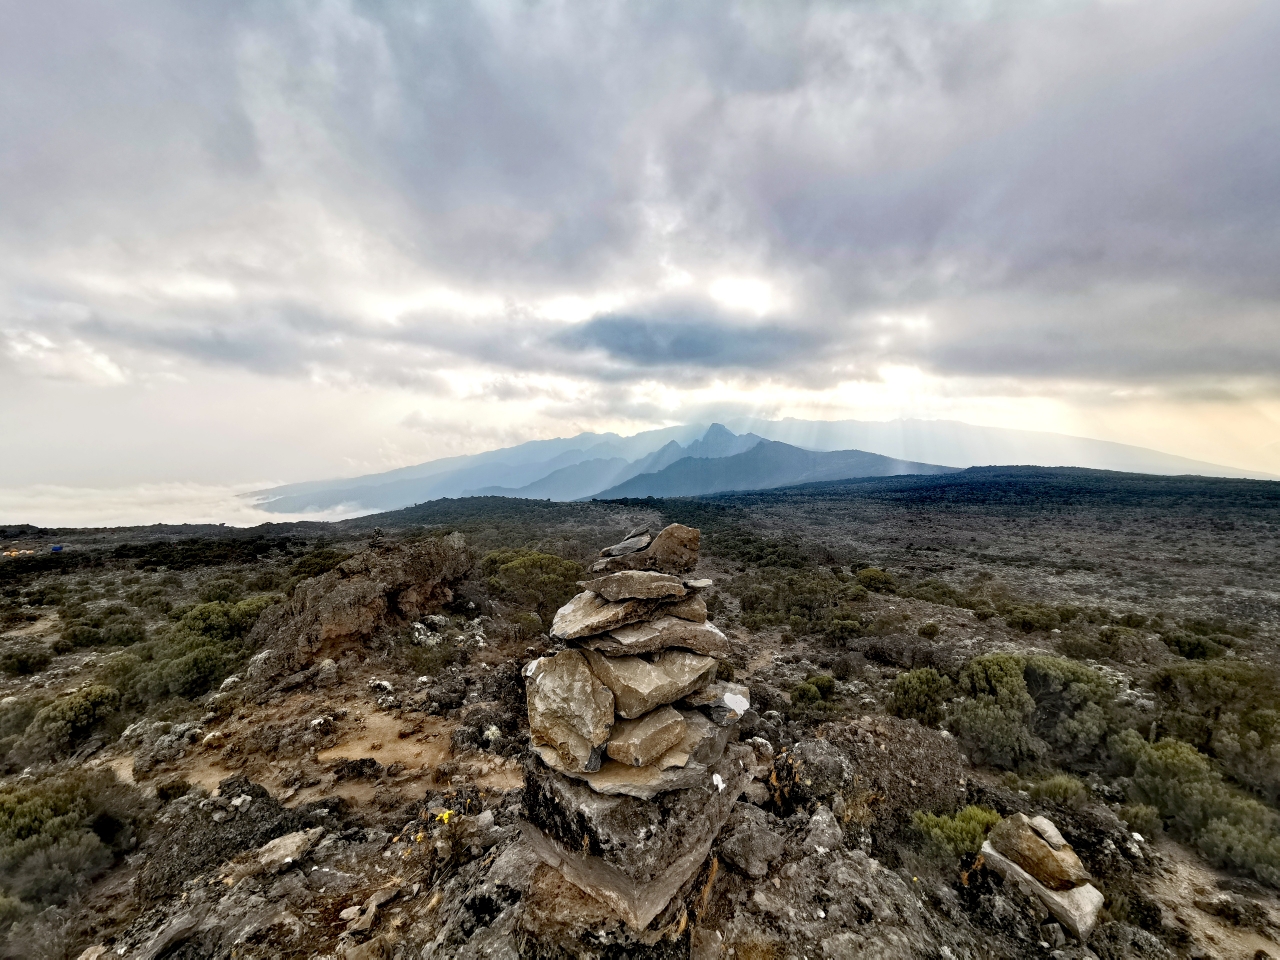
(58, 834)
(849, 666)
(993, 722)
(875, 580)
(724, 671)
(67, 721)
(823, 683)
(317, 562)
(1142, 818)
(1062, 789)
(1231, 828)
(929, 630)
(919, 695)
(1072, 701)
(1030, 619)
(539, 581)
(954, 836)
(26, 659)
(1192, 646)
(804, 693)
(188, 659)
(1229, 710)
(221, 590)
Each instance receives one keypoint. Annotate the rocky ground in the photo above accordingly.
(340, 768)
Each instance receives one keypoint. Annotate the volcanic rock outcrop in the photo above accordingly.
(633, 770)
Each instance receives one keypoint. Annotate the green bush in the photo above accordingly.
(63, 724)
(1072, 704)
(188, 659)
(542, 582)
(929, 630)
(1231, 828)
(951, 837)
(804, 693)
(1230, 710)
(317, 562)
(824, 683)
(993, 722)
(221, 590)
(58, 834)
(920, 695)
(1063, 789)
(876, 580)
(25, 659)
(1030, 619)
(1142, 818)
(1192, 646)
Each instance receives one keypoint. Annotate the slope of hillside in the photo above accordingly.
(767, 464)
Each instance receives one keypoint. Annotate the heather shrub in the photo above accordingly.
(876, 580)
(1231, 828)
(207, 644)
(25, 659)
(57, 834)
(1062, 789)
(1142, 818)
(317, 562)
(920, 695)
(950, 837)
(929, 630)
(542, 582)
(1229, 710)
(59, 727)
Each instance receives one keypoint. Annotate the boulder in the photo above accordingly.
(1076, 909)
(704, 638)
(636, 585)
(589, 613)
(673, 550)
(699, 584)
(751, 846)
(1044, 826)
(824, 832)
(725, 702)
(641, 741)
(279, 853)
(570, 710)
(639, 685)
(1017, 839)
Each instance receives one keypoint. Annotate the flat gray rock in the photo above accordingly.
(692, 608)
(639, 685)
(636, 585)
(630, 545)
(589, 613)
(570, 710)
(703, 638)
(640, 742)
(616, 779)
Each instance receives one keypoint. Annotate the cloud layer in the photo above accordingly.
(600, 212)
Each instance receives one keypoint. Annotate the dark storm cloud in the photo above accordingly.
(1076, 190)
(690, 335)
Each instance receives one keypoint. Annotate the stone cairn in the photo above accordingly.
(633, 769)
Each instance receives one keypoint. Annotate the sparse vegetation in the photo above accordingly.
(950, 837)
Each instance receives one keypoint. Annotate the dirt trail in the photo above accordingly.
(1188, 879)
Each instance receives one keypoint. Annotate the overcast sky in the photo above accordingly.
(243, 242)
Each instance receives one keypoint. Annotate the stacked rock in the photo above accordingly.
(635, 771)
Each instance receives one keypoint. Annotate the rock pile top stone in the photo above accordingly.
(636, 585)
